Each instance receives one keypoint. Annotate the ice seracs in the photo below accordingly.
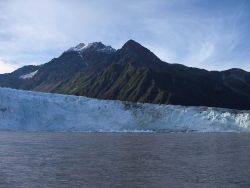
(29, 76)
(33, 111)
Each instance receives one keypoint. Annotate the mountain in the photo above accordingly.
(132, 73)
(34, 111)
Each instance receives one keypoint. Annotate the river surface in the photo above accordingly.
(133, 160)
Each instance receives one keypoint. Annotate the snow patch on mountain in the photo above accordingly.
(95, 46)
(29, 76)
(79, 47)
(33, 111)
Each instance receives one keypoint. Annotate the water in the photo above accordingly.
(124, 160)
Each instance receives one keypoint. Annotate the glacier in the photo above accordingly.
(35, 111)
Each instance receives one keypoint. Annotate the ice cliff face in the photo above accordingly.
(31, 111)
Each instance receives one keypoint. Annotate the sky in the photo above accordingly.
(209, 34)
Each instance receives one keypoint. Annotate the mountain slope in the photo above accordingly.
(133, 73)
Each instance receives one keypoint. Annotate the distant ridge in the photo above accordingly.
(132, 73)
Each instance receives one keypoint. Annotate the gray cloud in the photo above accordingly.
(6, 66)
(208, 35)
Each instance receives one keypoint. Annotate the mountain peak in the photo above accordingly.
(131, 44)
(92, 47)
(79, 47)
(133, 48)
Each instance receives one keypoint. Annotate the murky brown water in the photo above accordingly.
(124, 160)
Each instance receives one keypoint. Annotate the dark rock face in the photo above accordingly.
(133, 73)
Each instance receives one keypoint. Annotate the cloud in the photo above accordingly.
(6, 66)
(212, 35)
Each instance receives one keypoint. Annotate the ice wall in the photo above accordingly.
(33, 111)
